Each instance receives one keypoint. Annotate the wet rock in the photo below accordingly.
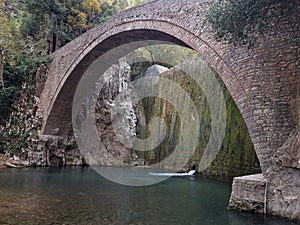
(248, 194)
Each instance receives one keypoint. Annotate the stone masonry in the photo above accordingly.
(263, 81)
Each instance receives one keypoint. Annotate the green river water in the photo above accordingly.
(81, 196)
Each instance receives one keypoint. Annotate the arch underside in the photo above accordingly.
(247, 80)
(60, 116)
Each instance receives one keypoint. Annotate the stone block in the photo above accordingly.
(248, 193)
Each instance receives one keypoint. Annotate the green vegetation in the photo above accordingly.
(31, 30)
(239, 22)
(162, 54)
(15, 75)
(51, 24)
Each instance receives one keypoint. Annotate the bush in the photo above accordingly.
(23, 70)
(239, 22)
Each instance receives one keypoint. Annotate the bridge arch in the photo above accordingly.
(61, 101)
(253, 77)
(262, 81)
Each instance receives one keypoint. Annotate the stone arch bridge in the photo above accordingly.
(264, 83)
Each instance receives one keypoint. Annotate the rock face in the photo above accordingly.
(21, 131)
(248, 194)
(56, 150)
(236, 157)
(23, 123)
(59, 151)
(284, 180)
(117, 85)
(155, 70)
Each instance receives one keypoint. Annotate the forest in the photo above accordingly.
(31, 30)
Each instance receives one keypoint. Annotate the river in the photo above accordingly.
(81, 196)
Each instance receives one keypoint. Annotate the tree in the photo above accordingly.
(124, 4)
(16, 62)
(239, 22)
(9, 35)
(92, 10)
(163, 54)
(1, 66)
(45, 23)
(83, 15)
(4, 27)
(51, 24)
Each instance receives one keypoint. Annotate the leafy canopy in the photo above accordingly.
(239, 22)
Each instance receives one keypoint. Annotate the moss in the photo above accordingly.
(237, 155)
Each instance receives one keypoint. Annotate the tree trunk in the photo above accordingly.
(1, 66)
(151, 55)
(54, 42)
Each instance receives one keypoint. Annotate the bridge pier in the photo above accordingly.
(276, 194)
(284, 180)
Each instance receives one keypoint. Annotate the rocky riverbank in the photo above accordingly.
(12, 162)
(2, 161)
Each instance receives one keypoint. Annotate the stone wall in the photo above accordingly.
(262, 81)
(284, 180)
(51, 150)
(279, 192)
